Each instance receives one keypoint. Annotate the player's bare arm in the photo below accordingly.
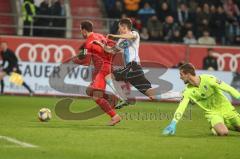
(108, 49)
(123, 36)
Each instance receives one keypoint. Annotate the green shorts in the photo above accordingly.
(230, 118)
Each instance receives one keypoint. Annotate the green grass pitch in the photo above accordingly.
(137, 136)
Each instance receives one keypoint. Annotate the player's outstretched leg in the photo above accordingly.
(117, 89)
(28, 88)
(106, 107)
(98, 97)
(2, 74)
(112, 99)
(151, 93)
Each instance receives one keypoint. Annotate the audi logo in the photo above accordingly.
(233, 63)
(44, 50)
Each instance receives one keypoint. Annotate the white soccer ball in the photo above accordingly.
(44, 114)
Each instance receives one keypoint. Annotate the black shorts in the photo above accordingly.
(9, 70)
(133, 74)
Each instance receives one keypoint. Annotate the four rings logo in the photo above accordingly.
(54, 53)
(233, 60)
(43, 53)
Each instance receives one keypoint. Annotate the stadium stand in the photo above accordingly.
(85, 9)
(5, 19)
(163, 20)
(220, 18)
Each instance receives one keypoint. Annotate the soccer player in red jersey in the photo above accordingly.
(102, 62)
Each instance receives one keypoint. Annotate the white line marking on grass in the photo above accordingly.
(20, 143)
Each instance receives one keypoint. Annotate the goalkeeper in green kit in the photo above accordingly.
(207, 92)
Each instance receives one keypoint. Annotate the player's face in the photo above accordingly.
(184, 77)
(83, 33)
(122, 29)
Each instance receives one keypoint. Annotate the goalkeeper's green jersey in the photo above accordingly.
(208, 95)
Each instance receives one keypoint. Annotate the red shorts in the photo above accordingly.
(98, 78)
(99, 82)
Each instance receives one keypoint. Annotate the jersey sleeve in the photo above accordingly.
(182, 107)
(136, 35)
(121, 44)
(96, 48)
(218, 84)
(85, 61)
(93, 48)
(110, 42)
(89, 47)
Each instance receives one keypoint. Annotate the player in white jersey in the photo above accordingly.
(132, 72)
(129, 47)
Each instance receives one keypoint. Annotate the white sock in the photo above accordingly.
(169, 95)
(117, 89)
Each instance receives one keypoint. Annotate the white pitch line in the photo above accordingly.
(15, 141)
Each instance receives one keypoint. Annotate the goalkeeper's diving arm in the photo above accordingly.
(171, 128)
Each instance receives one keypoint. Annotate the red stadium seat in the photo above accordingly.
(5, 7)
(83, 8)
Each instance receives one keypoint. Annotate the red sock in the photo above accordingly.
(112, 99)
(106, 107)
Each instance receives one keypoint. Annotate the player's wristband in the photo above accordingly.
(82, 53)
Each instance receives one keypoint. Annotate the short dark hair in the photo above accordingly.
(188, 68)
(87, 25)
(127, 22)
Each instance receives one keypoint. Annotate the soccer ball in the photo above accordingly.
(44, 114)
